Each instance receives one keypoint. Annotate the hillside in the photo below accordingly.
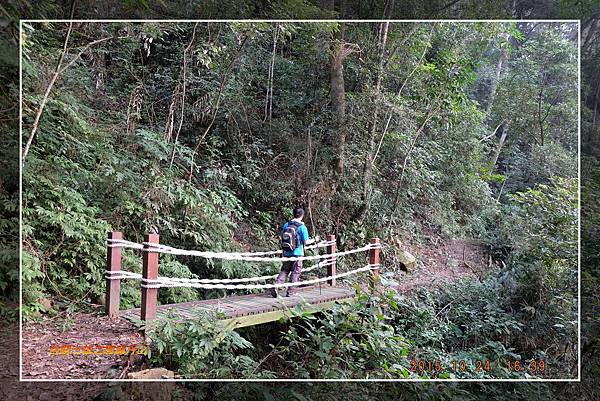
(455, 142)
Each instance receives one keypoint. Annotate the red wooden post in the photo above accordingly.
(149, 272)
(374, 260)
(113, 287)
(331, 268)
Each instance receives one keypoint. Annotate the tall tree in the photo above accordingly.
(339, 51)
(338, 102)
(368, 163)
(502, 57)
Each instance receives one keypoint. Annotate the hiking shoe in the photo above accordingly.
(274, 293)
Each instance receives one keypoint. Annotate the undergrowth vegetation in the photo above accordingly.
(488, 328)
(209, 133)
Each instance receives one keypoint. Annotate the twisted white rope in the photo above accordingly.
(122, 274)
(157, 248)
(152, 247)
(161, 282)
(121, 243)
(321, 263)
(247, 256)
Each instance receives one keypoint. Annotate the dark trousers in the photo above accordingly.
(295, 268)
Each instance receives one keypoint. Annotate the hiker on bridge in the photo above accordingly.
(294, 237)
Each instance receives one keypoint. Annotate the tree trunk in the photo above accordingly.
(500, 144)
(338, 96)
(539, 116)
(338, 102)
(269, 96)
(588, 33)
(368, 164)
(596, 101)
(501, 60)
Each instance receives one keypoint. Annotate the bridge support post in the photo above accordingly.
(113, 287)
(374, 260)
(149, 272)
(331, 269)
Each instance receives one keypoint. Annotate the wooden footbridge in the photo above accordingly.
(241, 310)
(252, 309)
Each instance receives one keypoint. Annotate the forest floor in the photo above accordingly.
(442, 262)
(54, 347)
(82, 345)
(12, 389)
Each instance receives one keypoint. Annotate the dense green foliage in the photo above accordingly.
(426, 334)
(309, 9)
(586, 10)
(202, 348)
(9, 167)
(209, 133)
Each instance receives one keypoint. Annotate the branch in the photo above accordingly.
(493, 133)
(400, 92)
(184, 71)
(552, 104)
(444, 7)
(430, 114)
(57, 72)
(38, 114)
(527, 35)
(216, 108)
(86, 47)
(414, 28)
(347, 49)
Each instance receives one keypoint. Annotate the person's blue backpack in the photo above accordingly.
(289, 236)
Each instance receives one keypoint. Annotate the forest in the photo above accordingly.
(453, 142)
(587, 12)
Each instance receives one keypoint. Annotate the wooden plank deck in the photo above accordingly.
(252, 309)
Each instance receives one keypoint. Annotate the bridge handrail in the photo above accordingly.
(151, 281)
(123, 274)
(121, 243)
(169, 282)
(162, 282)
(158, 248)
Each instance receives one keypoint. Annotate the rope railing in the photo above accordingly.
(151, 281)
(157, 248)
(244, 256)
(166, 282)
(121, 243)
(122, 274)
